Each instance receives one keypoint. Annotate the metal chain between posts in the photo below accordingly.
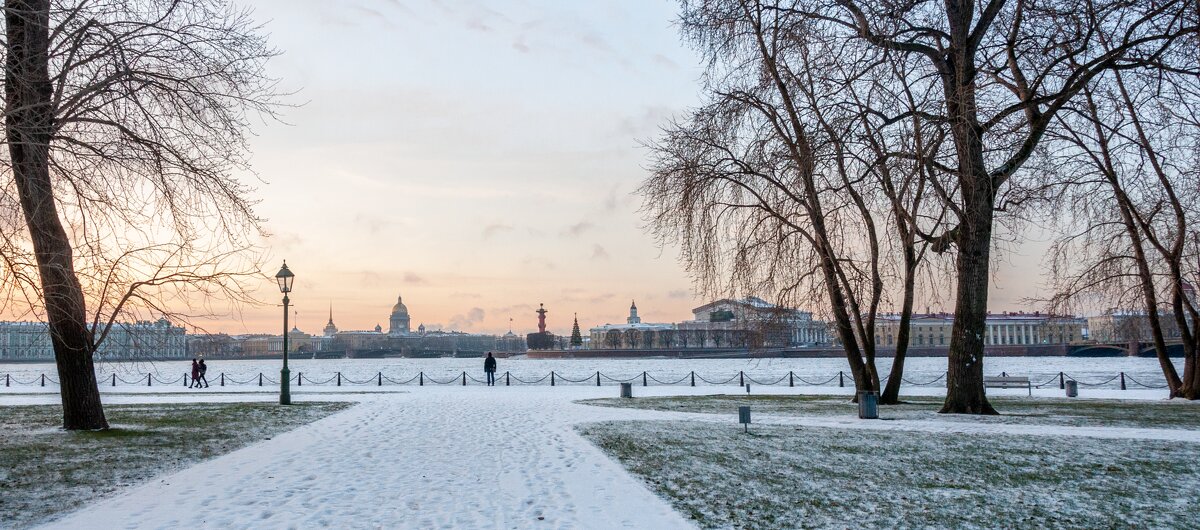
(930, 382)
(1136, 382)
(777, 381)
(598, 377)
(532, 381)
(725, 382)
(399, 382)
(681, 379)
(827, 381)
(1081, 383)
(628, 380)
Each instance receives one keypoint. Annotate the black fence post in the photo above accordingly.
(1003, 374)
(506, 381)
(1062, 383)
(339, 379)
(741, 378)
(551, 377)
(464, 379)
(147, 380)
(185, 378)
(114, 383)
(422, 376)
(380, 379)
(693, 378)
(841, 380)
(643, 378)
(44, 379)
(8, 379)
(299, 378)
(597, 378)
(1122, 380)
(260, 379)
(791, 378)
(222, 378)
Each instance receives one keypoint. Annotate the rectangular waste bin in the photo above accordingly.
(868, 405)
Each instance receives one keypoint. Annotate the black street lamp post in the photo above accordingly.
(285, 277)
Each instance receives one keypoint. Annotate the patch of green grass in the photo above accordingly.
(1031, 411)
(45, 470)
(792, 477)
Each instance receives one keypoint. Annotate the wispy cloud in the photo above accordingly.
(373, 223)
(495, 228)
(413, 278)
(598, 253)
(467, 321)
(578, 229)
(679, 294)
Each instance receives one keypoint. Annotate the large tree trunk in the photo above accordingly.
(964, 379)
(1190, 389)
(29, 126)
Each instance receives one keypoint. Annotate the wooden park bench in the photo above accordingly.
(997, 381)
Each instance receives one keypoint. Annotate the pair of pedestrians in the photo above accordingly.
(198, 371)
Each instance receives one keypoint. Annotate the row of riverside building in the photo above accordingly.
(723, 324)
(754, 323)
(158, 339)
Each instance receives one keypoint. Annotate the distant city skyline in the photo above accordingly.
(477, 158)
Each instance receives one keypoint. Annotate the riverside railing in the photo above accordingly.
(554, 378)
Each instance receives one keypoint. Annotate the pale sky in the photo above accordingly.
(476, 158)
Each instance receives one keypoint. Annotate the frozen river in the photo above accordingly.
(1102, 372)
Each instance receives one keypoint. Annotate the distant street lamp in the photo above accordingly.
(285, 277)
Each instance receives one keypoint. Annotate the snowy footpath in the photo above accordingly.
(448, 457)
(438, 458)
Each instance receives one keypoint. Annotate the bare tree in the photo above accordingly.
(768, 188)
(1004, 69)
(1131, 226)
(124, 122)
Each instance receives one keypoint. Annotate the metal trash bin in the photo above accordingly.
(868, 405)
(626, 390)
(1072, 388)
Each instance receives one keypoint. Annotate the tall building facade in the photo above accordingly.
(728, 323)
(1003, 329)
(159, 339)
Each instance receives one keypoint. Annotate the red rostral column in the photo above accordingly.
(541, 318)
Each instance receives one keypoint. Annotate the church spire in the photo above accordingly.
(330, 329)
(633, 316)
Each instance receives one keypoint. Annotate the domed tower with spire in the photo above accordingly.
(633, 316)
(330, 329)
(398, 323)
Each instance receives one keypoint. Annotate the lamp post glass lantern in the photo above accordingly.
(284, 277)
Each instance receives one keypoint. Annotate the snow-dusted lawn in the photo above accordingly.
(789, 476)
(46, 471)
(809, 462)
(1015, 410)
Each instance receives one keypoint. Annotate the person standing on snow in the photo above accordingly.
(195, 374)
(203, 370)
(489, 367)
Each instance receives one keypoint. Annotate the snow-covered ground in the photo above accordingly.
(458, 457)
(480, 458)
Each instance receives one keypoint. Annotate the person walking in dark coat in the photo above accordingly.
(489, 367)
(203, 370)
(195, 374)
